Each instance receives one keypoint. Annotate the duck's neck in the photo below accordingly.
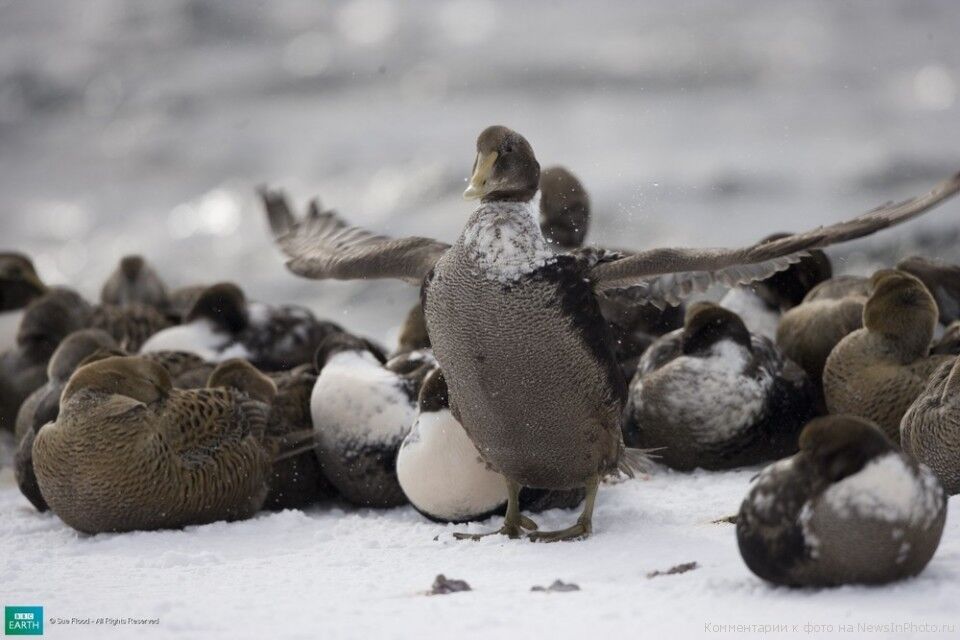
(505, 240)
(899, 349)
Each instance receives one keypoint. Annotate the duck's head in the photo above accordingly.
(840, 445)
(413, 333)
(505, 167)
(224, 305)
(19, 282)
(707, 324)
(134, 281)
(76, 348)
(239, 374)
(901, 309)
(51, 318)
(128, 376)
(433, 393)
(564, 208)
(343, 342)
(786, 289)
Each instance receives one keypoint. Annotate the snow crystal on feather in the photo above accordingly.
(505, 240)
(712, 394)
(887, 489)
(356, 402)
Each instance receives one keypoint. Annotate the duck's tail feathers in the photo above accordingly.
(633, 461)
(291, 445)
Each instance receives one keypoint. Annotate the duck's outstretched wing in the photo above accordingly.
(666, 276)
(322, 245)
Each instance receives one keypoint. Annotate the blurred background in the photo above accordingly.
(145, 127)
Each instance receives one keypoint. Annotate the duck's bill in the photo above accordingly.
(479, 181)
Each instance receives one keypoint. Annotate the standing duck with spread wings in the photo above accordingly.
(516, 327)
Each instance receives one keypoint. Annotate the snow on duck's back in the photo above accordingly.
(714, 396)
(361, 413)
(848, 508)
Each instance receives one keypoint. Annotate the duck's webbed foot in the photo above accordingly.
(584, 526)
(514, 523)
(578, 531)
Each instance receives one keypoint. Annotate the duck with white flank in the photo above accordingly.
(221, 325)
(443, 475)
(362, 410)
(715, 396)
(439, 468)
(516, 328)
(848, 508)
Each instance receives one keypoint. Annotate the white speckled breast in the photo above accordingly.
(504, 239)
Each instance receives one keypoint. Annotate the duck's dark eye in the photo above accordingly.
(508, 149)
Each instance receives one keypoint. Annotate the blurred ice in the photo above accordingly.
(146, 127)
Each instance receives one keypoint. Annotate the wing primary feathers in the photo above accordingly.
(279, 214)
(324, 246)
(671, 274)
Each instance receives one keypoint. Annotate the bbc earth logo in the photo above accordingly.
(23, 621)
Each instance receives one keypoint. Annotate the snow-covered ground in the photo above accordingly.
(144, 127)
(335, 573)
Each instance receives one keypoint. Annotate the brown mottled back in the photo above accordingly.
(129, 451)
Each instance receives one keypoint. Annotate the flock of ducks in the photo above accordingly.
(533, 368)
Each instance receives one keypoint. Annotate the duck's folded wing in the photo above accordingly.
(324, 246)
(666, 276)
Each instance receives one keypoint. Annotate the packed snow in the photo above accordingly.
(145, 127)
(338, 572)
